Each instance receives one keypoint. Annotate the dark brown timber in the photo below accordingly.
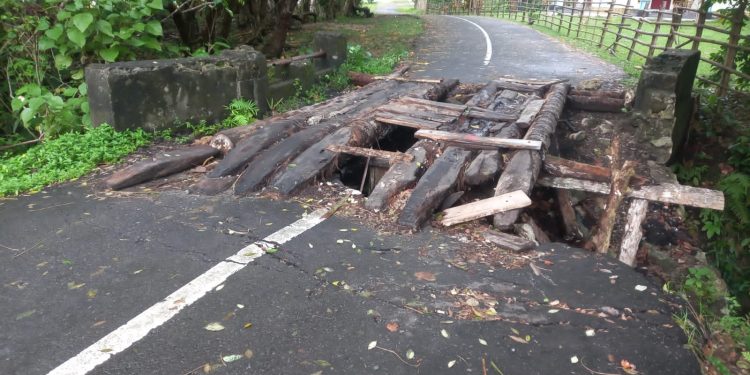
(171, 163)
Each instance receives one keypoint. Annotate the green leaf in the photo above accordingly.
(45, 43)
(83, 20)
(152, 43)
(83, 88)
(77, 38)
(63, 15)
(62, 61)
(55, 32)
(78, 74)
(155, 4)
(16, 104)
(43, 25)
(70, 91)
(35, 103)
(109, 54)
(154, 28)
(26, 115)
(104, 27)
(125, 34)
(55, 102)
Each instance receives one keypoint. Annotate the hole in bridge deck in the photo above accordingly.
(352, 171)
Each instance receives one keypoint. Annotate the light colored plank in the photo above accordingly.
(475, 142)
(665, 193)
(508, 241)
(409, 122)
(390, 156)
(529, 113)
(633, 232)
(485, 207)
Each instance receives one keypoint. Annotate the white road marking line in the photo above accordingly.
(487, 41)
(158, 314)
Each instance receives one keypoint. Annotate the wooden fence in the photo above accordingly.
(628, 32)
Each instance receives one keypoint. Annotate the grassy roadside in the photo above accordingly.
(376, 45)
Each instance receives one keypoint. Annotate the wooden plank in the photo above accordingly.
(475, 142)
(483, 114)
(559, 167)
(459, 108)
(168, 163)
(485, 207)
(390, 156)
(409, 122)
(568, 215)
(529, 113)
(402, 176)
(633, 232)
(664, 193)
(418, 112)
(508, 241)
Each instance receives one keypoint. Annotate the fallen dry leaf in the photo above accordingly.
(518, 339)
(425, 276)
(391, 326)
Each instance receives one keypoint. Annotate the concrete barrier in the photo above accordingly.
(157, 94)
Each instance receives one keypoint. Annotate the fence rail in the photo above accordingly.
(628, 32)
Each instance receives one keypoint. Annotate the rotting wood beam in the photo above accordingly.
(474, 142)
(390, 156)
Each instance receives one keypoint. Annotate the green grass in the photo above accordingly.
(66, 158)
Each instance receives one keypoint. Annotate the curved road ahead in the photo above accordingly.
(477, 49)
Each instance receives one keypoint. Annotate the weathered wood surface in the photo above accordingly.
(402, 176)
(443, 175)
(508, 241)
(664, 193)
(568, 215)
(530, 226)
(395, 108)
(529, 113)
(485, 207)
(267, 163)
(474, 142)
(389, 156)
(602, 234)
(407, 121)
(633, 233)
(169, 163)
(521, 171)
(247, 149)
(483, 168)
(596, 103)
(212, 186)
(472, 110)
(316, 161)
(619, 94)
(559, 167)
(489, 115)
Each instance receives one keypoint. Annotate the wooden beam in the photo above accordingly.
(475, 142)
(664, 193)
(485, 207)
(483, 114)
(390, 156)
(508, 241)
(170, 162)
(409, 122)
(568, 215)
(559, 167)
(529, 113)
(633, 233)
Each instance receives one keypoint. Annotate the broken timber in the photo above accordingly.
(664, 193)
(175, 161)
(402, 176)
(632, 234)
(521, 171)
(390, 156)
(508, 241)
(485, 207)
(471, 141)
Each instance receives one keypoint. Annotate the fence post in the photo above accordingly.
(606, 23)
(699, 29)
(676, 20)
(655, 37)
(580, 19)
(634, 42)
(619, 28)
(734, 40)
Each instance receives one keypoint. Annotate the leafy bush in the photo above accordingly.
(67, 157)
(359, 60)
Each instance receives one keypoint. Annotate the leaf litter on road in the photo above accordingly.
(214, 327)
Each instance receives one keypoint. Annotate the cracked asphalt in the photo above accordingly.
(340, 298)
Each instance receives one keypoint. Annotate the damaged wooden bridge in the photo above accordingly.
(436, 139)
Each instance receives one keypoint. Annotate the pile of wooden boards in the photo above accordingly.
(500, 136)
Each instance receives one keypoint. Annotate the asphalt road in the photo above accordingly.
(478, 49)
(172, 283)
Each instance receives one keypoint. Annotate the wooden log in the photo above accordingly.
(529, 112)
(485, 207)
(530, 230)
(482, 114)
(169, 163)
(508, 241)
(389, 156)
(559, 167)
(568, 215)
(521, 171)
(263, 166)
(483, 168)
(212, 186)
(596, 103)
(633, 233)
(473, 142)
(249, 148)
(602, 234)
(407, 121)
(411, 111)
(360, 79)
(664, 193)
(458, 108)
(402, 176)
(442, 177)
(316, 161)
